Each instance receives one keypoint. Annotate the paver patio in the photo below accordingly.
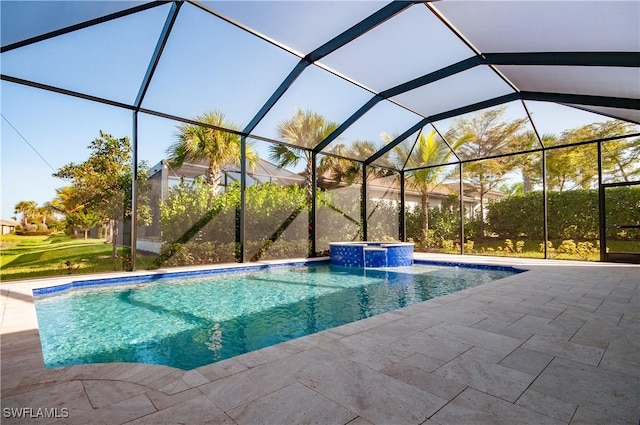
(558, 344)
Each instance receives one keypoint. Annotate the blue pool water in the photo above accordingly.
(187, 322)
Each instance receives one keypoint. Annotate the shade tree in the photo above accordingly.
(103, 183)
(486, 134)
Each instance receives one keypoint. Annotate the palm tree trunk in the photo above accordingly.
(214, 177)
(308, 179)
(114, 238)
(527, 182)
(481, 214)
(424, 203)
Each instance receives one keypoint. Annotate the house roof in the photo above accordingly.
(263, 171)
(9, 223)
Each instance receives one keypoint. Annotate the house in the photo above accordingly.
(388, 189)
(8, 226)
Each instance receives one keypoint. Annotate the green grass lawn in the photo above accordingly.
(24, 257)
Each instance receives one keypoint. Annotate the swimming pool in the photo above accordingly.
(187, 321)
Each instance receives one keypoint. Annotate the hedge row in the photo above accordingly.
(198, 229)
(571, 214)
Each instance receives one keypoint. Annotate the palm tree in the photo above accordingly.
(44, 213)
(349, 171)
(27, 209)
(65, 201)
(77, 215)
(305, 129)
(215, 146)
(428, 150)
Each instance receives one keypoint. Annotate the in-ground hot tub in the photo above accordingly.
(371, 254)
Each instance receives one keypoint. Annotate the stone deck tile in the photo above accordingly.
(624, 349)
(527, 361)
(485, 354)
(53, 395)
(117, 413)
(487, 377)
(475, 407)
(614, 394)
(463, 336)
(105, 393)
(162, 400)
(374, 396)
(362, 421)
(567, 350)
(295, 404)
(242, 388)
(430, 382)
(453, 312)
(266, 355)
(197, 410)
(497, 321)
(587, 416)
(365, 349)
(426, 363)
(438, 348)
(547, 405)
(391, 332)
(476, 337)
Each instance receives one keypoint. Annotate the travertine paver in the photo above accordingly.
(547, 405)
(599, 389)
(475, 407)
(557, 345)
(430, 382)
(565, 349)
(493, 379)
(439, 348)
(367, 350)
(197, 410)
(476, 337)
(294, 404)
(376, 397)
(531, 362)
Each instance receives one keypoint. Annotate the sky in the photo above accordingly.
(210, 64)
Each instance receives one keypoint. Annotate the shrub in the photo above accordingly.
(447, 245)
(197, 253)
(572, 214)
(586, 250)
(508, 246)
(33, 232)
(176, 255)
(551, 251)
(568, 247)
(468, 246)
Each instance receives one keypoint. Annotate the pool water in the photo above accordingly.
(190, 322)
